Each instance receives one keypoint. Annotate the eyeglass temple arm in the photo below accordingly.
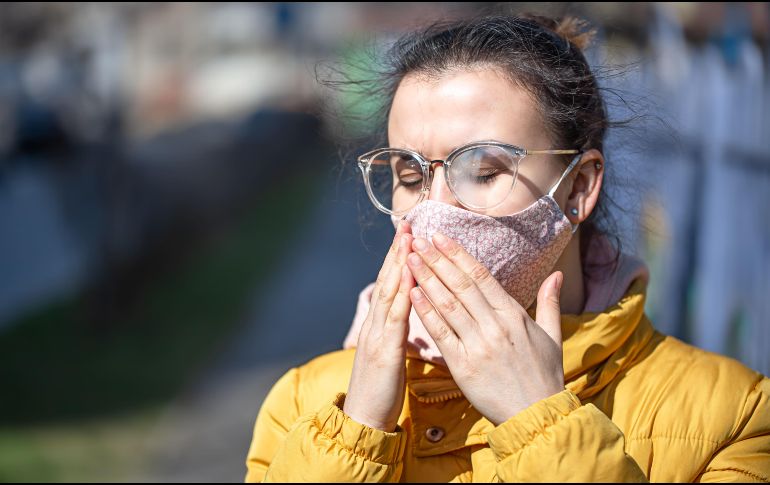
(572, 164)
(551, 152)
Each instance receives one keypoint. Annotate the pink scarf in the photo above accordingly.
(602, 289)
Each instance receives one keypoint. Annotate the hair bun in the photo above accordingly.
(572, 29)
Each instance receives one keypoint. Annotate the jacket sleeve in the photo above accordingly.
(322, 446)
(746, 457)
(559, 439)
(278, 412)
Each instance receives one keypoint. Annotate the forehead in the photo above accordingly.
(434, 116)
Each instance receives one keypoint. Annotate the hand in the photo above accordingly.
(377, 385)
(500, 358)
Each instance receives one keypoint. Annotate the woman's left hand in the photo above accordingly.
(501, 359)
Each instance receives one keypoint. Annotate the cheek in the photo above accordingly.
(404, 198)
(534, 178)
(523, 195)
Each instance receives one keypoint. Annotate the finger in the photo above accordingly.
(455, 280)
(403, 227)
(397, 322)
(445, 337)
(393, 250)
(548, 307)
(498, 298)
(449, 307)
(383, 299)
(381, 278)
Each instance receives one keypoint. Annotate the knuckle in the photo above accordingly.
(463, 284)
(384, 296)
(480, 273)
(442, 333)
(433, 257)
(381, 278)
(496, 334)
(488, 348)
(454, 251)
(394, 244)
(493, 335)
(429, 311)
(423, 275)
(448, 305)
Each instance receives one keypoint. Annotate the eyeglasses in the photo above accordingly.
(481, 175)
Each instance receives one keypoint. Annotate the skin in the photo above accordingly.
(510, 361)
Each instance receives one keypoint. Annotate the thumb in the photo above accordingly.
(548, 308)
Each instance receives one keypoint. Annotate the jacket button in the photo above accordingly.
(434, 434)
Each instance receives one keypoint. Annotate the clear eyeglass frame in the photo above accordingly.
(364, 163)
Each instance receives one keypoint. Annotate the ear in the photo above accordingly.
(586, 186)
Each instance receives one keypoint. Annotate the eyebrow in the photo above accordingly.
(460, 146)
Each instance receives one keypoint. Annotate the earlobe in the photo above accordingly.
(574, 218)
(576, 212)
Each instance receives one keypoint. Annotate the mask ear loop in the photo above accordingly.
(563, 175)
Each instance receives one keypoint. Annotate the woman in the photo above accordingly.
(505, 337)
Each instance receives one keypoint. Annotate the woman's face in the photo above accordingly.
(435, 117)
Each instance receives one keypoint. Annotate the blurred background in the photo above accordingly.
(178, 228)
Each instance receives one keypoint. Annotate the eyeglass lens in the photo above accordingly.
(480, 178)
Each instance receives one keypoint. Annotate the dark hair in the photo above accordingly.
(542, 55)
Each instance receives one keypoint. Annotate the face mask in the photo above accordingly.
(519, 250)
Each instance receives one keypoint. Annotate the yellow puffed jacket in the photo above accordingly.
(638, 406)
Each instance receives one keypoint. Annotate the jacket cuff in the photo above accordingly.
(518, 431)
(370, 443)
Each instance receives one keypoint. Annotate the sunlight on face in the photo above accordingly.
(435, 117)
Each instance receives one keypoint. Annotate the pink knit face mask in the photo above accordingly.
(519, 250)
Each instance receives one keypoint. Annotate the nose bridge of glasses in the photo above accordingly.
(433, 162)
(432, 169)
(437, 185)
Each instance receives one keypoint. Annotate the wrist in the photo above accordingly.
(357, 415)
(509, 412)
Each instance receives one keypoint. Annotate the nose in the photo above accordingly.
(439, 191)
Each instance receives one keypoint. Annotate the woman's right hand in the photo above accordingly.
(376, 392)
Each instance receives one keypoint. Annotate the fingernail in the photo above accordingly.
(415, 260)
(417, 294)
(420, 244)
(440, 239)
